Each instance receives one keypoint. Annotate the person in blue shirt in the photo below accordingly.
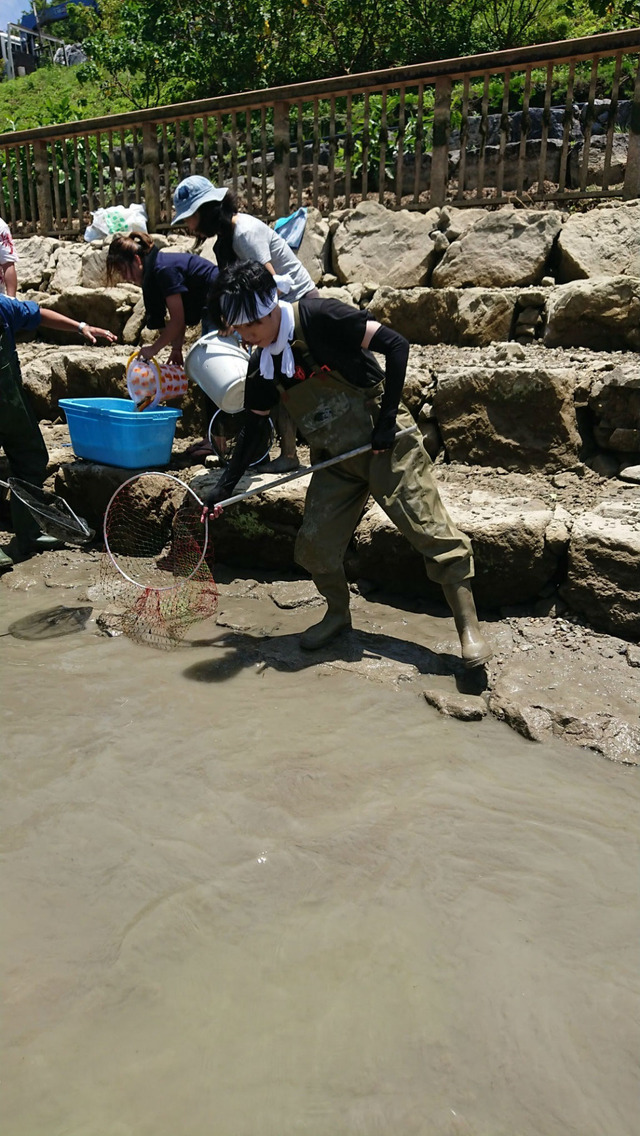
(20, 435)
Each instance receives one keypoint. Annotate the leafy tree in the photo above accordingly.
(155, 51)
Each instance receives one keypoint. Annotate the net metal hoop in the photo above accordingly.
(256, 461)
(205, 525)
(51, 513)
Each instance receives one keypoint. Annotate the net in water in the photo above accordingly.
(156, 573)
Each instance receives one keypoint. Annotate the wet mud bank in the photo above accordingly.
(552, 676)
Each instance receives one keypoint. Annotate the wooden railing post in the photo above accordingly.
(151, 170)
(440, 155)
(632, 172)
(43, 186)
(281, 158)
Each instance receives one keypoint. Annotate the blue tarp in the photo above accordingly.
(291, 228)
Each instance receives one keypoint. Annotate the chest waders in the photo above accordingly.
(20, 439)
(334, 416)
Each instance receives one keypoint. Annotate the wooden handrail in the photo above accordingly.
(562, 51)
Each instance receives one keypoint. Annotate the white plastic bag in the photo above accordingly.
(117, 219)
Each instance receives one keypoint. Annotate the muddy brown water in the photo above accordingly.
(276, 904)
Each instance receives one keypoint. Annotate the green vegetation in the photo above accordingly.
(53, 94)
(152, 52)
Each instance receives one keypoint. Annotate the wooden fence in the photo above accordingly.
(554, 122)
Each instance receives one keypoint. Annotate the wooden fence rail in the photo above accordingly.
(554, 122)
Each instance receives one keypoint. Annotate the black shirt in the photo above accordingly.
(333, 332)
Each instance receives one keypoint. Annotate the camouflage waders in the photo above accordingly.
(335, 416)
(21, 440)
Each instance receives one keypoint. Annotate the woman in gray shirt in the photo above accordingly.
(207, 211)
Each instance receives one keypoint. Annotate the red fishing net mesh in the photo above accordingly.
(155, 575)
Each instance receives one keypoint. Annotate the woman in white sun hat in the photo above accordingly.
(207, 211)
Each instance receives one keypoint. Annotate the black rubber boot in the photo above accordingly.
(476, 651)
(335, 590)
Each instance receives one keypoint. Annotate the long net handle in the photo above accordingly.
(308, 469)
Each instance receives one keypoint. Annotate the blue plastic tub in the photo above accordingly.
(112, 431)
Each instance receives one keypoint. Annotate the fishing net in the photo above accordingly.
(224, 434)
(50, 624)
(155, 574)
(54, 516)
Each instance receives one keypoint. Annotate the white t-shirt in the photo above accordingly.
(8, 254)
(253, 240)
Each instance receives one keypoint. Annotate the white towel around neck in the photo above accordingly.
(281, 345)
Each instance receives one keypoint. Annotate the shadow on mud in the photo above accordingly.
(283, 653)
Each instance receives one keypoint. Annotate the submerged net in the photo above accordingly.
(155, 575)
(54, 516)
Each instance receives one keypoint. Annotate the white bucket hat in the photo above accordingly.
(191, 193)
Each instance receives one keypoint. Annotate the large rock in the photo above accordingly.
(596, 162)
(103, 307)
(469, 318)
(615, 402)
(519, 531)
(134, 325)
(378, 245)
(603, 314)
(603, 578)
(602, 242)
(36, 364)
(558, 680)
(454, 223)
(89, 372)
(507, 248)
(94, 268)
(314, 246)
(510, 416)
(36, 264)
(68, 270)
(511, 531)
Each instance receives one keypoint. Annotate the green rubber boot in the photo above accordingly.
(476, 651)
(334, 588)
(5, 561)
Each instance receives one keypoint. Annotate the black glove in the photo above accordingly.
(384, 432)
(212, 497)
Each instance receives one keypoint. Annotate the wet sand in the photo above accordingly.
(244, 902)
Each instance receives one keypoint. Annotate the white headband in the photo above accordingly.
(283, 284)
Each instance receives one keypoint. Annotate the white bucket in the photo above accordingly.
(219, 366)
